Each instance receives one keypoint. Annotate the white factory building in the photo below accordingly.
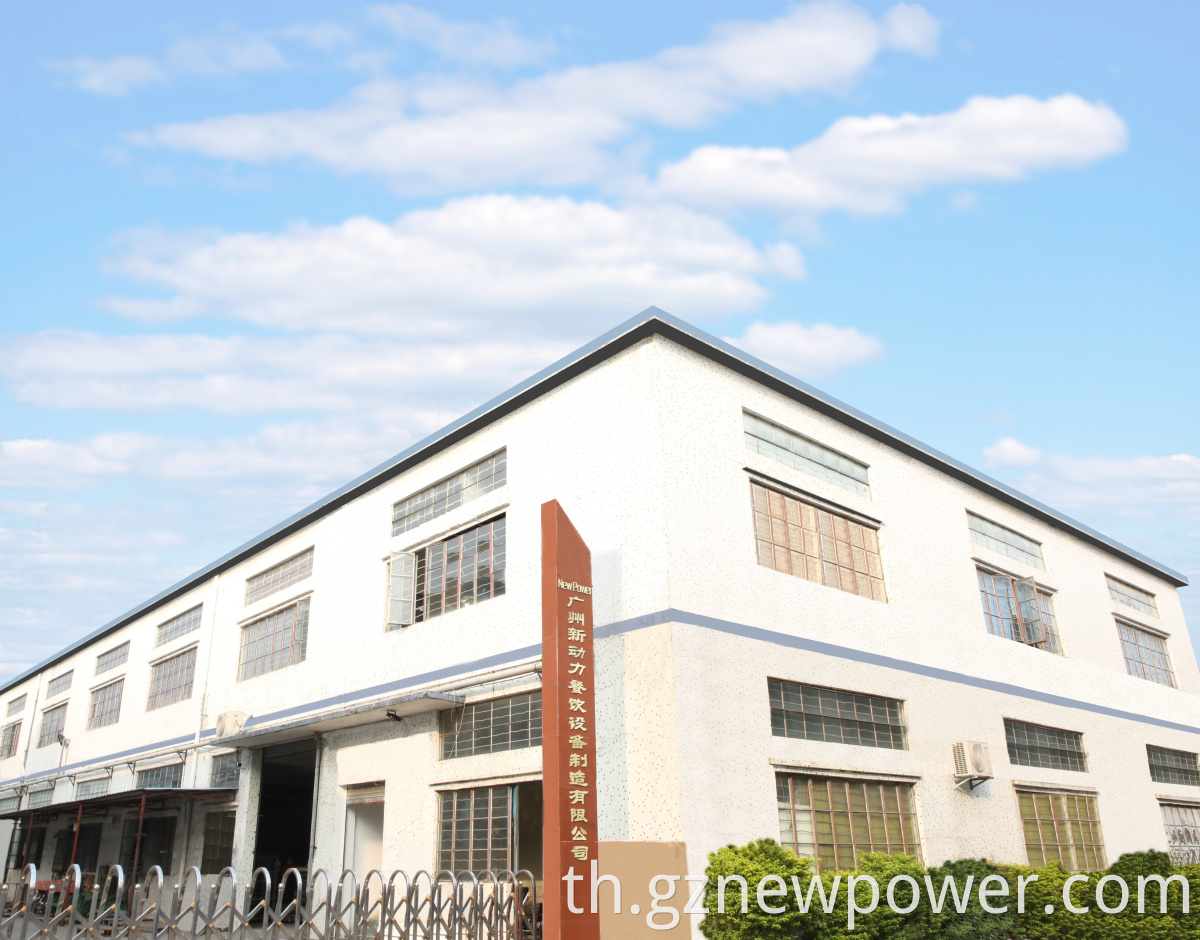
(800, 613)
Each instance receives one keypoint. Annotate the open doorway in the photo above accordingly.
(285, 808)
(364, 828)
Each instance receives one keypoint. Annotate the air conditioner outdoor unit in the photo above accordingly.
(230, 723)
(972, 763)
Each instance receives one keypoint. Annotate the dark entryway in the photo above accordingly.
(87, 850)
(285, 808)
(157, 848)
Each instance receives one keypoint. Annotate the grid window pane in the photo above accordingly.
(281, 576)
(1167, 766)
(1064, 828)
(106, 705)
(1039, 746)
(833, 820)
(16, 706)
(60, 683)
(805, 454)
(218, 842)
(9, 739)
(87, 789)
(503, 724)
(41, 797)
(275, 642)
(225, 771)
(1130, 596)
(476, 830)
(1145, 654)
(168, 777)
(52, 724)
(117, 656)
(1183, 833)
(816, 714)
(1003, 615)
(179, 626)
(465, 569)
(9, 803)
(171, 680)
(1005, 541)
(483, 477)
(802, 540)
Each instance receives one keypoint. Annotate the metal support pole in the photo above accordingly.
(137, 852)
(312, 819)
(78, 824)
(28, 839)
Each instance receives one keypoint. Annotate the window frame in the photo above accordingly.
(181, 619)
(850, 482)
(779, 728)
(295, 603)
(1070, 826)
(95, 700)
(16, 706)
(1126, 624)
(1149, 609)
(1161, 772)
(1043, 596)
(120, 651)
(151, 694)
(977, 538)
(459, 477)
(422, 572)
(43, 740)
(282, 585)
(532, 721)
(10, 739)
(1013, 747)
(56, 686)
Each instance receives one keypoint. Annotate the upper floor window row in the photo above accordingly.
(1018, 609)
(805, 454)
(501, 724)
(997, 538)
(809, 542)
(189, 620)
(1168, 766)
(1038, 746)
(1130, 596)
(16, 705)
(275, 641)
(60, 683)
(9, 737)
(117, 656)
(818, 714)
(485, 476)
(280, 576)
(1145, 654)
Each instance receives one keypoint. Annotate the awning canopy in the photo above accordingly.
(155, 796)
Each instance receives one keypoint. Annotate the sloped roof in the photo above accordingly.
(649, 322)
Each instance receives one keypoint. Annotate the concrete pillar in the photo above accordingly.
(245, 830)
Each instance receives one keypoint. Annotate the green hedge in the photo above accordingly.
(767, 858)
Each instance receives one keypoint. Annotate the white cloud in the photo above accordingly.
(556, 128)
(911, 28)
(224, 55)
(325, 36)
(809, 352)
(1009, 452)
(470, 43)
(251, 375)
(114, 77)
(448, 271)
(872, 164)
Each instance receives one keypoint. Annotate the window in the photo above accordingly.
(16, 706)
(503, 724)
(185, 623)
(834, 820)
(9, 803)
(805, 454)
(106, 705)
(171, 679)
(402, 569)
(817, 714)
(1039, 746)
(10, 737)
(218, 842)
(1005, 541)
(1127, 594)
(282, 575)
(117, 656)
(1145, 654)
(476, 829)
(225, 771)
(808, 542)
(53, 720)
(40, 798)
(60, 683)
(1064, 828)
(275, 642)
(485, 476)
(1167, 766)
(465, 569)
(1017, 609)
(169, 776)
(86, 789)
(156, 847)
(1183, 833)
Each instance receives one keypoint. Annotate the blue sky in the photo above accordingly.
(251, 250)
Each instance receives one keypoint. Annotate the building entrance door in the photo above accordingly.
(285, 808)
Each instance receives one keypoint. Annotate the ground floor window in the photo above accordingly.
(218, 842)
(833, 819)
(1183, 833)
(157, 845)
(86, 849)
(496, 828)
(1063, 828)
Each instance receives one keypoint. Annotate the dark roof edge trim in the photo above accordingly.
(649, 322)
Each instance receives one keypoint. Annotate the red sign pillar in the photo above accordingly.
(569, 835)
